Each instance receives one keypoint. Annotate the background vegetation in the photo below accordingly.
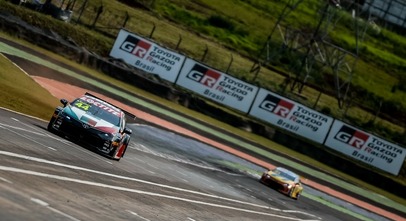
(229, 35)
(100, 37)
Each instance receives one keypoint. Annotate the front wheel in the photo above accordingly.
(50, 128)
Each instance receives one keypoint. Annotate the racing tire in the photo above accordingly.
(49, 127)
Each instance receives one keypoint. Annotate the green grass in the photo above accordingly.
(17, 92)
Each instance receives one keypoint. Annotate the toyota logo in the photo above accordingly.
(85, 125)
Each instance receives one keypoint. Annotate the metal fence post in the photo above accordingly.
(127, 17)
(180, 40)
(152, 31)
(229, 65)
(205, 53)
(99, 11)
(82, 8)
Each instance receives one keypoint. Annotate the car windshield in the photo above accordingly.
(99, 112)
(285, 174)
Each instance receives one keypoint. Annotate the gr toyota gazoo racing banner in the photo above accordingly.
(217, 86)
(365, 147)
(291, 116)
(147, 56)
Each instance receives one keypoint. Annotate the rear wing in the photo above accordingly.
(126, 112)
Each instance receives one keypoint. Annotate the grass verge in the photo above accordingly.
(21, 93)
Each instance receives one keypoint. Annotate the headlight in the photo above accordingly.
(289, 186)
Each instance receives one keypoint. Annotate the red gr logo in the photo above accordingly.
(276, 106)
(203, 75)
(351, 137)
(135, 46)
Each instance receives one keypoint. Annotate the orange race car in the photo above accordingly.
(283, 180)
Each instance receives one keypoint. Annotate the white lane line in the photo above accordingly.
(191, 219)
(135, 214)
(19, 128)
(32, 127)
(145, 149)
(176, 177)
(45, 204)
(10, 154)
(30, 139)
(64, 141)
(125, 189)
(184, 174)
(6, 180)
(35, 159)
(150, 171)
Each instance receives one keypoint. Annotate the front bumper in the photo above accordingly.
(275, 184)
(84, 133)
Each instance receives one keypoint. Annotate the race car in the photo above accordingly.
(283, 180)
(93, 122)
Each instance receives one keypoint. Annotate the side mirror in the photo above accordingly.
(128, 131)
(64, 102)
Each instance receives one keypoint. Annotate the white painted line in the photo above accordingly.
(10, 154)
(19, 113)
(184, 174)
(151, 165)
(35, 159)
(177, 159)
(125, 189)
(300, 212)
(40, 202)
(135, 214)
(32, 127)
(30, 139)
(45, 204)
(64, 141)
(191, 219)
(151, 172)
(6, 180)
(23, 129)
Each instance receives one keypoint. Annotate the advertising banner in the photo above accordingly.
(366, 147)
(291, 116)
(216, 85)
(147, 56)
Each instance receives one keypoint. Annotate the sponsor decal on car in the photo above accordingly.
(102, 105)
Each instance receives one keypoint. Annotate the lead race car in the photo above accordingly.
(93, 122)
(283, 180)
